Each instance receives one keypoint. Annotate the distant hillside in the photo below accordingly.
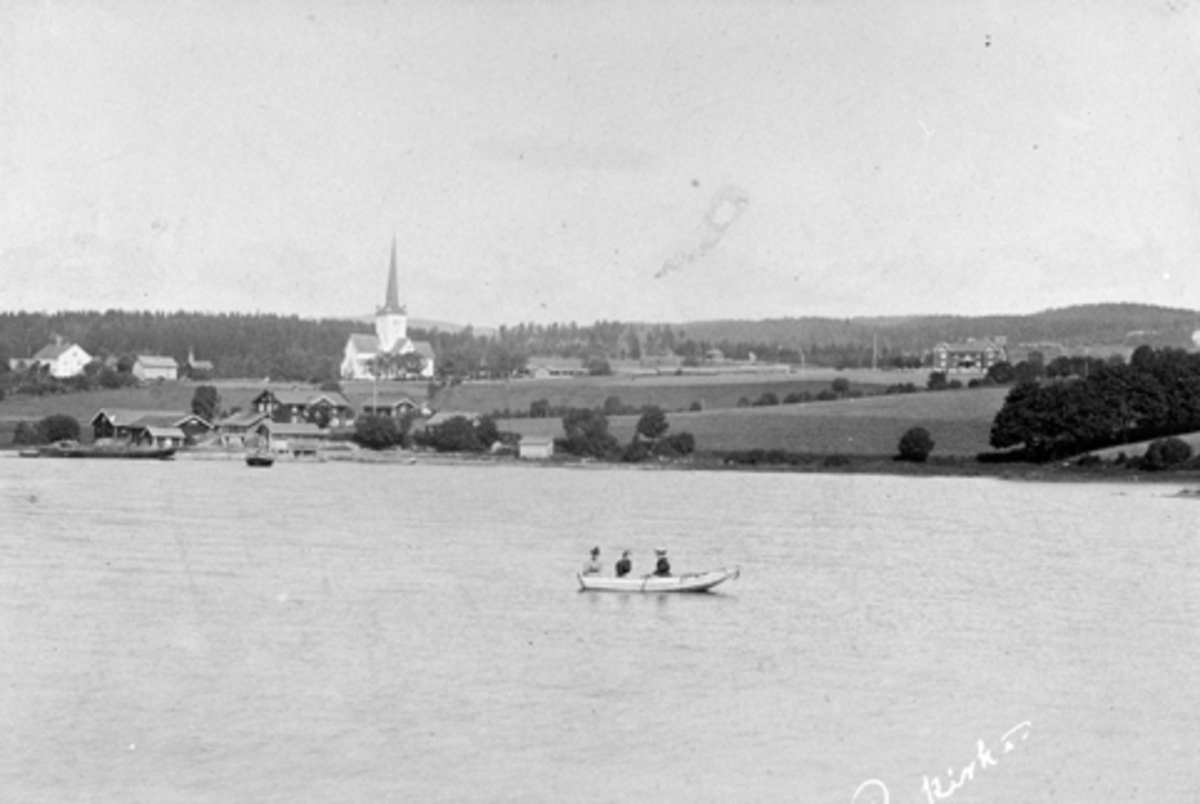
(1083, 325)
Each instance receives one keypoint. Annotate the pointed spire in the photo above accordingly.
(392, 301)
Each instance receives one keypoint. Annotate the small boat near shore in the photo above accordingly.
(687, 582)
(73, 449)
(259, 459)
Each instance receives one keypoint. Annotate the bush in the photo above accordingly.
(915, 445)
(376, 432)
(59, 427)
(1166, 453)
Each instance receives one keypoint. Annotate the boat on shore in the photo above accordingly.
(687, 582)
(73, 449)
(260, 459)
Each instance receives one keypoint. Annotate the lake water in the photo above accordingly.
(201, 631)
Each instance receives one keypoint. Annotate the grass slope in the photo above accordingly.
(959, 422)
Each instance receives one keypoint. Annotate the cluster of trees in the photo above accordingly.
(1156, 394)
(587, 436)
(57, 427)
(37, 381)
(457, 434)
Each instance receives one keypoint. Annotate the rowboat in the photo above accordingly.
(688, 582)
(262, 459)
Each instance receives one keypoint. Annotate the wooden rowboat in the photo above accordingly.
(688, 582)
(261, 459)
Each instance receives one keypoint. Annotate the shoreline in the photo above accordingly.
(1057, 472)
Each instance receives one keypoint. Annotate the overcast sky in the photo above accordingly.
(562, 160)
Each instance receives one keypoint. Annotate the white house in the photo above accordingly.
(536, 447)
(389, 352)
(155, 367)
(64, 359)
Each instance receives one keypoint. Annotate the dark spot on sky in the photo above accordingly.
(695, 182)
(987, 40)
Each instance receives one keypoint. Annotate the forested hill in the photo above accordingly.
(1093, 324)
(292, 348)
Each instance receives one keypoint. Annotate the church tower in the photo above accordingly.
(391, 320)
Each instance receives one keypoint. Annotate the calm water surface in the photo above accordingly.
(201, 631)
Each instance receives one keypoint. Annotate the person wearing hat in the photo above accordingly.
(624, 566)
(593, 567)
(662, 567)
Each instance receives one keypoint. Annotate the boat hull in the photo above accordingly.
(132, 453)
(653, 584)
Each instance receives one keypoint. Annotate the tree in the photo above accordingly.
(915, 445)
(376, 432)
(456, 434)
(840, 386)
(653, 424)
(587, 434)
(59, 427)
(206, 401)
(1165, 453)
(1002, 373)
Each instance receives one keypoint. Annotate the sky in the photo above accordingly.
(558, 160)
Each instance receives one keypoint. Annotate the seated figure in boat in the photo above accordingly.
(662, 567)
(593, 567)
(624, 566)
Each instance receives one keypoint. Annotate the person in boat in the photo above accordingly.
(662, 567)
(593, 567)
(624, 566)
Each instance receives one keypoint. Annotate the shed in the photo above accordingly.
(535, 448)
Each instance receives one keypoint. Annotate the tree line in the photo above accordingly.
(1155, 395)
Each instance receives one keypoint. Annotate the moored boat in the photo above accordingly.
(261, 459)
(73, 449)
(687, 582)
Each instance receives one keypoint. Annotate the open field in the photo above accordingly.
(670, 392)
(959, 422)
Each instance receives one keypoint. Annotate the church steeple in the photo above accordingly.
(391, 320)
(392, 300)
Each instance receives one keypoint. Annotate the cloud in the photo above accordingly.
(724, 208)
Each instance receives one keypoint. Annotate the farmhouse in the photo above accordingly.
(158, 427)
(62, 359)
(239, 429)
(970, 355)
(394, 407)
(543, 368)
(389, 353)
(535, 447)
(155, 367)
(330, 406)
(198, 369)
(296, 439)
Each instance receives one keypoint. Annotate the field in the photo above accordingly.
(959, 422)
(669, 392)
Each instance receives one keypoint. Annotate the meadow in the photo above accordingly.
(959, 421)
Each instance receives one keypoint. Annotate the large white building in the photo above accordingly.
(64, 359)
(389, 352)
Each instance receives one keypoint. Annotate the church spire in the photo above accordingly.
(392, 301)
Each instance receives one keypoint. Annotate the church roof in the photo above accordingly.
(391, 302)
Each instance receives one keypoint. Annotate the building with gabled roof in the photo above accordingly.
(135, 425)
(296, 404)
(389, 353)
(63, 359)
(971, 355)
(155, 367)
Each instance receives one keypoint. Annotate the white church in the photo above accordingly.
(389, 353)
